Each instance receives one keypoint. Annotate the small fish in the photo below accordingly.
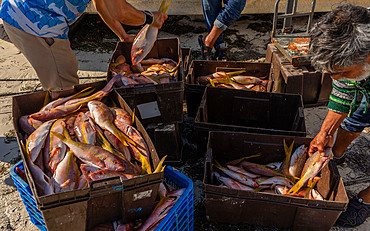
(258, 169)
(66, 174)
(43, 182)
(146, 37)
(312, 167)
(276, 180)
(60, 101)
(242, 171)
(162, 209)
(104, 118)
(55, 150)
(91, 154)
(85, 129)
(36, 140)
(104, 174)
(238, 176)
(230, 183)
(297, 161)
(121, 116)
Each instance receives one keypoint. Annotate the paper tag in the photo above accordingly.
(149, 110)
(142, 195)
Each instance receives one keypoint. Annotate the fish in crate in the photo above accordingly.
(295, 176)
(234, 80)
(74, 140)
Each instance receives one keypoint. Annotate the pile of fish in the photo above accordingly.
(233, 80)
(168, 197)
(74, 140)
(296, 176)
(154, 71)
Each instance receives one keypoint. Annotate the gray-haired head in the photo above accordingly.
(341, 38)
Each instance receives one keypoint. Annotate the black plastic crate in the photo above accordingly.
(194, 91)
(224, 109)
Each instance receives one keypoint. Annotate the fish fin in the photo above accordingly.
(144, 163)
(85, 92)
(234, 73)
(47, 98)
(133, 116)
(216, 164)
(159, 167)
(288, 150)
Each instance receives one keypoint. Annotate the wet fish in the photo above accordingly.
(104, 174)
(85, 129)
(104, 118)
(297, 161)
(55, 149)
(140, 151)
(162, 209)
(242, 171)
(276, 180)
(60, 101)
(66, 174)
(43, 182)
(146, 37)
(238, 176)
(91, 154)
(312, 167)
(258, 168)
(117, 144)
(284, 168)
(36, 140)
(121, 116)
(230, 183)
(246, 79)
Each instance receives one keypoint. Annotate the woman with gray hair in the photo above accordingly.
(340, 45)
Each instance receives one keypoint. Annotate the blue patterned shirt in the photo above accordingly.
(45, 18)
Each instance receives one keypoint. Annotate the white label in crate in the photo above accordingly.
(149, 110)
(142, 195)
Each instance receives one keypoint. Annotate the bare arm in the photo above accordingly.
(115, 12)
(325, 136)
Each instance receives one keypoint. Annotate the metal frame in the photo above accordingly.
(291, 12)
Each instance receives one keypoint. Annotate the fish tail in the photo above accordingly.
(159, 167)
(85, 92)
(145, 166)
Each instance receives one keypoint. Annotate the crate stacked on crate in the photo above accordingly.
(248, 111)
(194, 91)
(267, 208)
(158, 104)
(313, 85)
(180, 217)
(81, 209)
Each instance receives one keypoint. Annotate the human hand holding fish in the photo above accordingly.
(320, 142)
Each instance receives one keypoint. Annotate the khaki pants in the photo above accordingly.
(53, 59)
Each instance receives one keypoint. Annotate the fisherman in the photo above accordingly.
(340, 45)
(218, 19)
(39, 29)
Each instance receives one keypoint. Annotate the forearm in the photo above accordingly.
(116, 12)
(332, 122)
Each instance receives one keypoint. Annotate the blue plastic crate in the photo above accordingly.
(181, 216)
(27, 197)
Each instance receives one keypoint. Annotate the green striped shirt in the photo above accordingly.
(346, 96)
